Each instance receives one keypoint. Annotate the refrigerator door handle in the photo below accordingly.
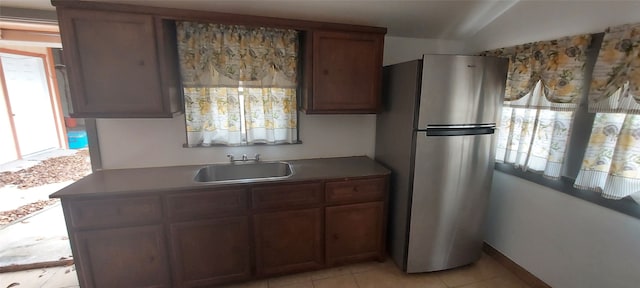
(459, 132)
(462, 126)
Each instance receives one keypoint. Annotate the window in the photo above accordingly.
(544, 84)
(611, 164)
(592, 146)
(240, 84)
(534, 139)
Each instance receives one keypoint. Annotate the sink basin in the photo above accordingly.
(244, 172)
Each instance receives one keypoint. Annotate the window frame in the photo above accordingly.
(576, 146)
(299, 89)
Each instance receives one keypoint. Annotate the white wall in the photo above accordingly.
(531, 20)
(565, 241)
(129, 143)
(400, 49)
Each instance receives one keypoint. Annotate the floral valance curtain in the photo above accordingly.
(558, 65)
(222, 55)
(239, 83)
(615, 86)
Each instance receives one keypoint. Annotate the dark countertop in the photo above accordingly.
(176, 178)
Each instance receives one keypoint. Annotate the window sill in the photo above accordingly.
(240, 145)
(565, 185)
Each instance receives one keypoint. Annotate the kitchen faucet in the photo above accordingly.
(244, 158)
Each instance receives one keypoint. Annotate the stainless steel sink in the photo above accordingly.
(244, 172)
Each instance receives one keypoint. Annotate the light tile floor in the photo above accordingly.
(486, 273)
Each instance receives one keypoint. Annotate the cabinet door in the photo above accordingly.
(210, 252)
(346, 72)
(125, 257)
(354, 232)
(288, 241)
(112, 61)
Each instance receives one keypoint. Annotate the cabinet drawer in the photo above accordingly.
(195, 205)
(115, 212)
(287, 195)
(361, 190)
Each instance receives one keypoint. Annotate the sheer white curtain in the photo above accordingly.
(611, 163)
(534, 139)
(213, 116)
(270, 115)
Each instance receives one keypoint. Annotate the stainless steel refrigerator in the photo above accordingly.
(436, 134)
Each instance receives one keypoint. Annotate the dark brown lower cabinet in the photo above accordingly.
(123, 257)
(353, 232)
(214, 236)
(209, 252)
(288, 241)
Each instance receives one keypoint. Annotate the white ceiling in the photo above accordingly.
(452, 19)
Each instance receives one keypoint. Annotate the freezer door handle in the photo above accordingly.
(459, 132)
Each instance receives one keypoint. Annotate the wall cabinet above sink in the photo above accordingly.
(122, 60)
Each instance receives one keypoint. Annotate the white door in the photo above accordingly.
(30, 102)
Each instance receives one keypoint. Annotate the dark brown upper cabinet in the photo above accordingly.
(120, 65)
(122, 60)
(343, 72)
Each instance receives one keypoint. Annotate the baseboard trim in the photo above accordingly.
(516, 269)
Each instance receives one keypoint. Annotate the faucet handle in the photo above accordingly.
(257, 157)
(230, 157)
(244, 157)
